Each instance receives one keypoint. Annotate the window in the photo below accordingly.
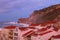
(11, 37)
(15, 34)
(29, 37)
(16, 29)
(15, 38)
(11, 33)
(11, 30)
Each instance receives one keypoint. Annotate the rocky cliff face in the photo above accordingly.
(23, 20)
(43, 15)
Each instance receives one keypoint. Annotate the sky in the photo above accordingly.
(12, 10)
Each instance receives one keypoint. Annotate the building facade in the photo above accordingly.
(11, 34)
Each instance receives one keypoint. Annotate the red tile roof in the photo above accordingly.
(10, 27)
(28, 33)
(45, 33)
(58, 36)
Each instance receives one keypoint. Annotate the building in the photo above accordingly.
(33, 32)
(45, 33)
(17, 33)
(11, 33)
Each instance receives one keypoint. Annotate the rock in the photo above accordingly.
(23, 20)
(42, 15)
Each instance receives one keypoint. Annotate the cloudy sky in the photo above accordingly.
(11, 10)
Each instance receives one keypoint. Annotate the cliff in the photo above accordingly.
(23, 20)
(43, 15)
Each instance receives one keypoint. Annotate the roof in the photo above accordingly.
(21, 28)
(28, 32)
(10, 27)
(57, 36)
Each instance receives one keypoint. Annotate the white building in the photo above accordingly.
(11, 34)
